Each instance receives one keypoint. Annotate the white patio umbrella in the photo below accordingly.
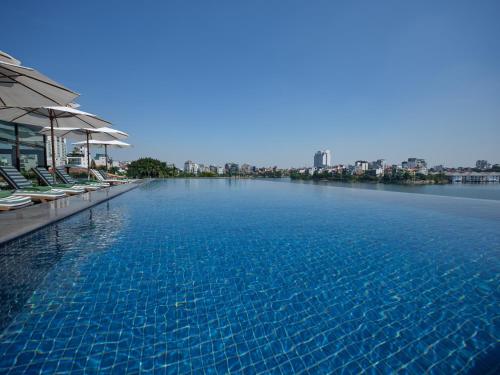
(5, 57)
(53, 117)
(114, 143)
(103, 134)
(23, 86)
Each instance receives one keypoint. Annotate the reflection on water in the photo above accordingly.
(226, 276)
(25, 262)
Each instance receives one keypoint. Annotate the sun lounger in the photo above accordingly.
(46, 178)
(101, 178)
(12, 202)
(26, 189)
(107, 175)
(90, 185)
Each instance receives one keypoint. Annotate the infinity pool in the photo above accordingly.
(239, 276)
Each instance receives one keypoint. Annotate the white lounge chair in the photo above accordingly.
(25, 188)
(86, 184)
(47, 179)
(11, 202)
(100, 178)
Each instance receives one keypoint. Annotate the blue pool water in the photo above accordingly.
(225, 276)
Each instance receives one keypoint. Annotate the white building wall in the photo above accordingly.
(327, 158)
(188, 166)
(80, 161)
(60, 149)
(100, 162)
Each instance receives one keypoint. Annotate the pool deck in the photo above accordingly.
(17, 223)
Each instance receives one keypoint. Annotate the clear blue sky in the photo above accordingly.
(270, 82)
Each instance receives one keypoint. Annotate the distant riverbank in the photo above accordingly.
(377, 181)
(476, 191)
(399, 178)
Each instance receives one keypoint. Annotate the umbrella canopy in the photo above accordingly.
(67, 117)
(5, 57)
(104, 134)
(22, 86)
(54, 117)
(106, 144)
(114, 143)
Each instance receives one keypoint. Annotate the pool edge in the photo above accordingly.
(17, 224)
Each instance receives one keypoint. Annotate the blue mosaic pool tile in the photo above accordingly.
(254, 277)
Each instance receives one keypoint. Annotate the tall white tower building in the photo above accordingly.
(327, 158)
(322, 159)
(61, 151)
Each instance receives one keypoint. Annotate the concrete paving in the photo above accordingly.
(17, 223)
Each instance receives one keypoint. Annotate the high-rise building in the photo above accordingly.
(190, 167)
(78, 157)
(318, 159)
(60, 148)
(322, 159)
(361, 165)
(327, 158)
(415, 163)
(202, 168)
(379, 163)
(483, 164)
(232, 168)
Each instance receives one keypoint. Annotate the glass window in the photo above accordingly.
(30, 135)
(31, 157)
(31, 146)
(7, 132)
(7, 153)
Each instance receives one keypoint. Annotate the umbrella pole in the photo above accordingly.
(106, 155)
(52, 143)
(88, 157)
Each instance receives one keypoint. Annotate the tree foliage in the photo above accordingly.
(394, 177)
(148, 168)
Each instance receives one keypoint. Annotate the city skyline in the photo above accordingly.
(268, 83)
(478, 163)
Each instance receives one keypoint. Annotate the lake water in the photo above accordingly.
(478, 191)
